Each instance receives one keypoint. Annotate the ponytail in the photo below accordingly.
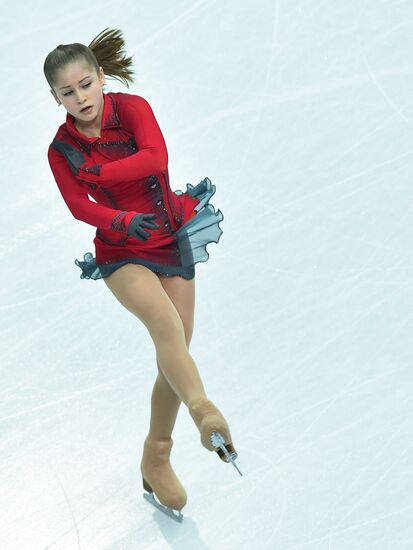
(106, 50)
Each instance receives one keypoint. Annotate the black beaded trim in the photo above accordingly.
(113, 118)
(109, 195)
(95, 169)
(130, 144)
(115, 150)
(157, 197)
(90, 184)
(163, 217)
(117, 223)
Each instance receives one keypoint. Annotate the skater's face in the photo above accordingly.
(78, 86)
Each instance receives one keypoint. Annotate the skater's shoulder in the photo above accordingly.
(125, 97)
(61, 134)
(128, 101)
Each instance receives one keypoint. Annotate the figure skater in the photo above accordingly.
(111, 148)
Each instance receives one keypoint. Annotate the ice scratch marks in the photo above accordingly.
(348, 390)
(373, 78)
(328, 537)
(262, 93)
(284, 97)
(54, 24)
(350, 178)
(75, 527)
(382, 477)
(329, 405)
(281, 497)
(52, 322)
(36, 299)
(178, 20)
(74, 395)
(37, 229)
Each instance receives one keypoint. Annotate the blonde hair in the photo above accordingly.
(105, 50)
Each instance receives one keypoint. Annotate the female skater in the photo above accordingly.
(148, 237)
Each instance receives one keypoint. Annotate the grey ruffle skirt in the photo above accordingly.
(192, 239)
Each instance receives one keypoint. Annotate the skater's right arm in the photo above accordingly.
(78, 202)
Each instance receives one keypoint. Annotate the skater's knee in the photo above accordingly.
(165, 325)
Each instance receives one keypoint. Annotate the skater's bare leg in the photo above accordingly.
(140, 291)
(165, 405)
(164, 402)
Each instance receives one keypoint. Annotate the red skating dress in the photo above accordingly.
(125, 171)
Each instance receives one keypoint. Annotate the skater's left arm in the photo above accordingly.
(152, 156)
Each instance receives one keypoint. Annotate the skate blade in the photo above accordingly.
(174, 514)
(218, 442)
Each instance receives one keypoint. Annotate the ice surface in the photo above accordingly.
(301, 114)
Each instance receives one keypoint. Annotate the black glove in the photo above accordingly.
(138, 222)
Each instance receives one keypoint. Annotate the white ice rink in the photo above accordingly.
(301, 114)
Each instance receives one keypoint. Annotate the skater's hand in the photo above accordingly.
(138, 222)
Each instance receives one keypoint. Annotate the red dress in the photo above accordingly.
(125, 171)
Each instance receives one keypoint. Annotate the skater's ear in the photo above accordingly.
(102, 78)
(55, 96)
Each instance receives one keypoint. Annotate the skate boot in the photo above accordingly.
(215, 434)
(158, 477)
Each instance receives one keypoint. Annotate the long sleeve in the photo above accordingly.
(137, 116)
(78, 202)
